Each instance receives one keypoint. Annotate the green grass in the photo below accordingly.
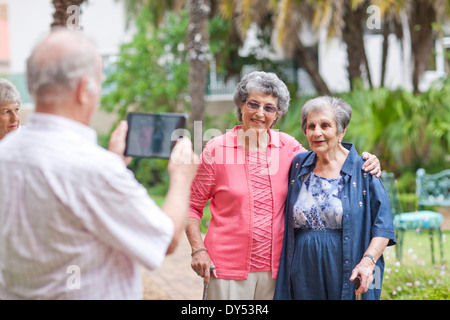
(415, 277)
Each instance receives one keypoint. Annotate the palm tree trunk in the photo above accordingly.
(421, 17)
(354, 38)
(384, 52)
(60, 15)
(198, 47)
(308, 61)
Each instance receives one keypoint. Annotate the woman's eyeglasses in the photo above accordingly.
(266, 108)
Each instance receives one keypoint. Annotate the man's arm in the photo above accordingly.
(182, 168)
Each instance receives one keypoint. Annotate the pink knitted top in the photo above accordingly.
(242, 236)
(260, 258)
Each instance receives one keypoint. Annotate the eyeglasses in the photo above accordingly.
(266, 108)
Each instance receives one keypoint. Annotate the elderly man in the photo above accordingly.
(74, 222)
(9, 108)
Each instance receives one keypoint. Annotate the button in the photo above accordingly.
(347, 216)
(346, 238)
(347, 262)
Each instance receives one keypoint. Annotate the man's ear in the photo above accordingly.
(83, 90)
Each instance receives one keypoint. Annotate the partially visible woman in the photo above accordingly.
(245, 173)
(338, 218)
(9, 107)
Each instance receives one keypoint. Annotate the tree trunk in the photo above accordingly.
(421, 17)
(308, 61)
(385, 51)
(354, 38)
(198, 47)
(60, 16)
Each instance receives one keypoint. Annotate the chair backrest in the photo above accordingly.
(433, 189)
(391, 190)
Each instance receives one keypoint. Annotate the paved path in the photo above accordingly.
(174, 280)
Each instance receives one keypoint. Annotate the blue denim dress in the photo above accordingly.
(317, 263)
(317, 215)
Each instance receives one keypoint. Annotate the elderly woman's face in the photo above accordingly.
(9, 118)
(322, 131)
(259, 111)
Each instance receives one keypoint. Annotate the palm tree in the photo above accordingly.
(423, 14)
(198, 50)
(353, 35)
(284, 16)
(290, 19)
(61, 15)
(391, 13)
(197, 42)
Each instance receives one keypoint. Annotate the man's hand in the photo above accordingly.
(118, 143)
(183, 161)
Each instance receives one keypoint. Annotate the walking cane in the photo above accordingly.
(205, 291)
(205, 286)
(357, 285)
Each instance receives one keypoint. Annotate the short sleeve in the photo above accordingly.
(382, 222)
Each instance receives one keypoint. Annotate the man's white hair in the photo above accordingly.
(59, 62)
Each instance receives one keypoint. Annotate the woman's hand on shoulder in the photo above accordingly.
(372, 164)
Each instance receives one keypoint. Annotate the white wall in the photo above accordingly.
(29, 21)
(333, 63)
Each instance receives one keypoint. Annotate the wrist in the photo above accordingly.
(371, 258)
(198, 250)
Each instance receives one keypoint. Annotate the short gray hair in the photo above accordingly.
(8, 93)
(342, 111)
(262, 82)
(64, 71)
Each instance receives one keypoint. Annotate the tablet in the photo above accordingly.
(154, 135)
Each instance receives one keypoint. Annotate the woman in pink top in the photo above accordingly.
(245, 174)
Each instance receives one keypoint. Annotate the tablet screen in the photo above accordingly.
(154, 135)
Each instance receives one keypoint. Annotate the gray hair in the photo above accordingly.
(71, 59)
(262, 82)
(341, 109)
(8, 93)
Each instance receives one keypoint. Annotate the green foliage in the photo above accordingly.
(151, 173)
(415, 278)
(408, 202)
(406, 183)
(151, 73)
(404, 130)
(290, 122)
(224, 47)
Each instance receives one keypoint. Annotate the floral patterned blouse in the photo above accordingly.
(319, 205)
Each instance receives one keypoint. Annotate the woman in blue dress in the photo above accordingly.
(338, 218)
